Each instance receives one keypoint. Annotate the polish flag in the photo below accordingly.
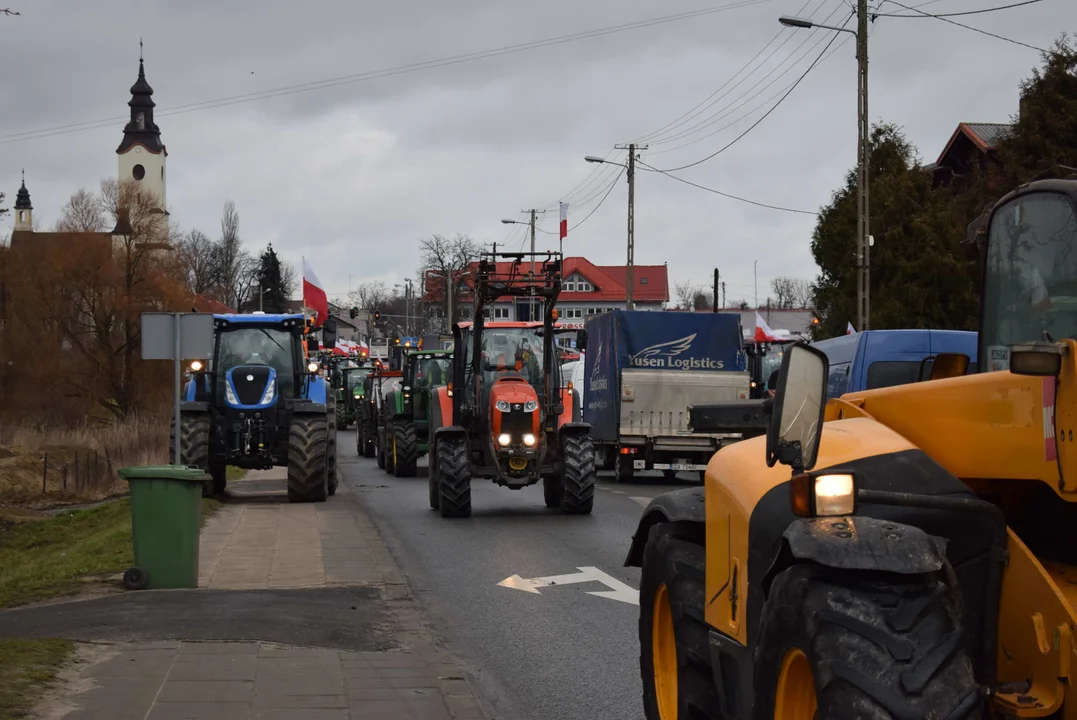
(314, 295)
(763, 333)
(849, 329)
(564, 220)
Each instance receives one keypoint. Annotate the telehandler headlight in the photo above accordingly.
(529, 440)
(823, 494)
(504, 439)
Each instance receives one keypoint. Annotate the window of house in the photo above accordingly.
(643, 281)
(572, 313)
(570, 286)
(501, 313)
(583, 286)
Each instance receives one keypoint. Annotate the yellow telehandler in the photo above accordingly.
(906, 553)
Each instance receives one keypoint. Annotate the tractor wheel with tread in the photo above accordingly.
(432, 478)
(578, 475)
(308, 448)
(194, 445)
(453, 477)
(552, 490)
(904, 632)
(389, 441)
(406, 442)
(331, 463)
(379, 449)
(675, 661)
(370, 446)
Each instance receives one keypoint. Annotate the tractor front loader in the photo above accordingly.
(407, 408)
(505, 415)
(906, 552)
(260, 403)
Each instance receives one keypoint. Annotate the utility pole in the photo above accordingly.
(715, 291)
(723, 293)
(755, 279)
(630, 268)
(531, 276)
(863, 274)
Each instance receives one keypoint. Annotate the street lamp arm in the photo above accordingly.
(797, 22)
(593, 159)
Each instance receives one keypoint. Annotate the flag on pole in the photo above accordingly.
(564, 220)
(763, 332)
(314, 296)
(849, 329)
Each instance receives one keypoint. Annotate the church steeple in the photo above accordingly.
(141, 130)
(24, 211)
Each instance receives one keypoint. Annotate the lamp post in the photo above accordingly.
(630, 267)
(863, 157)
(533, 213)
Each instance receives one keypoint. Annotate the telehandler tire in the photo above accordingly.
(308, 448)
(552, 490)
(194, 446)
(331, 463)
(578, 476)
(864, 646)
(453, 477)
(406, 443)
(673, 636)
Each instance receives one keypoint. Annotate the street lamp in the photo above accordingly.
(630, 267)
(533, 213)
(863, 155)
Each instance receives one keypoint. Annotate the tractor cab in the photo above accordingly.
(1030, 274)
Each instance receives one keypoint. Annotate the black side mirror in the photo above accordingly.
(798, 409)
(329, 332)
(581, 339)
(944, 365)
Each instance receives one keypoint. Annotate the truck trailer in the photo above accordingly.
(642, 372)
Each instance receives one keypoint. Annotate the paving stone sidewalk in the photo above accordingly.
(261, 543)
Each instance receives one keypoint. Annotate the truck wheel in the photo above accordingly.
(453, 477)
(623, 469)
(407, 448)
(308, 445)
(379, 450)
(675, 661)
(331, 463)
(578, 476)
(859, 645)
(194, 445)
(552, 490)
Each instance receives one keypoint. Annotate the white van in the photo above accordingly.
(572, 372)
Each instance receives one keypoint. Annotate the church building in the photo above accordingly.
(141, 160)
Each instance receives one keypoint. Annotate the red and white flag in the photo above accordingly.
(849, 329)
(564, 220)
(314, 296)
(763, 333)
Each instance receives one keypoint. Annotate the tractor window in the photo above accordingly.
(432, 372)
(1030, 288)
(772, 360)
(257, 346)
(513, 352)
(355, 377)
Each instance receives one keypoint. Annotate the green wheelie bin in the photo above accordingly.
(166, 518)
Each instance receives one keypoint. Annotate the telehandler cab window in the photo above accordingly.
(1030, 288)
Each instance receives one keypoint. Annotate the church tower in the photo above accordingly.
(24, 211)
(142, 154)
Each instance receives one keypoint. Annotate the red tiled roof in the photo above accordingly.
(608, 280)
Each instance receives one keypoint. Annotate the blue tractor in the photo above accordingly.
(262, 402)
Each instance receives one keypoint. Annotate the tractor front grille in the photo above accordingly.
(250, 383)
(516, 422)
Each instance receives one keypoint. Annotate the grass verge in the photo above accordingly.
(26, 669)
(42, 558)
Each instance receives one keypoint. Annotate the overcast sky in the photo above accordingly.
(350, 176)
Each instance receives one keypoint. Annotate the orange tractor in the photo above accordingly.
(506, 414)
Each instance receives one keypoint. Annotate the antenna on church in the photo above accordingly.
(24, 176)
(140, 49)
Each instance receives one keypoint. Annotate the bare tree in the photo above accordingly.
(235, 267)
(196, 254)
(289, 279)
(791, 292)
(684, 293)
(702, 300)
(370, 296)
(82, 213)
(445, 262)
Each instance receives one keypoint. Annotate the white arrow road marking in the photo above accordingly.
(617, 589)
(641, 500)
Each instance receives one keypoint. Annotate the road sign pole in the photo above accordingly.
(177, 352)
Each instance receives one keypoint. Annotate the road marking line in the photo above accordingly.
(644, 501)
(619, 492)
(618, 590)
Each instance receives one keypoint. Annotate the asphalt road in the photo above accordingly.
(558, 653)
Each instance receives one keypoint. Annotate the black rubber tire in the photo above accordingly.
(219, 472)
(623, 470)
(578, 475)
(308, 446)
(680, 565)
(379, 449)
(134, 578)
(390, 449)
(331, 463)
(340, 420)
(407, 448)
(552, 490)
(881, 646)
(370, 447)
(194, 444)
(432, 478)
(453, 477)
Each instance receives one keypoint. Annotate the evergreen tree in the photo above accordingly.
(271, 281)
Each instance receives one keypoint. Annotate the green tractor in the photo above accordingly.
(350, 390)
(375, 386)
(405, 430)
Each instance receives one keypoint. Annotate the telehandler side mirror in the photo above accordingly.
(798, 407)
(581, 340)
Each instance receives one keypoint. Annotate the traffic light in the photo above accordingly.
(353, 312)
(377, 316)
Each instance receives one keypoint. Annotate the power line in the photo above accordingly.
(600, 202)
(774, 107)
(969, 27)
(724, 194)
(377, 74)
(955, 14)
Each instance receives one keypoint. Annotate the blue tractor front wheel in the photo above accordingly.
(308, 456)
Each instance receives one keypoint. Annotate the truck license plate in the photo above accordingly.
(681, 466)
